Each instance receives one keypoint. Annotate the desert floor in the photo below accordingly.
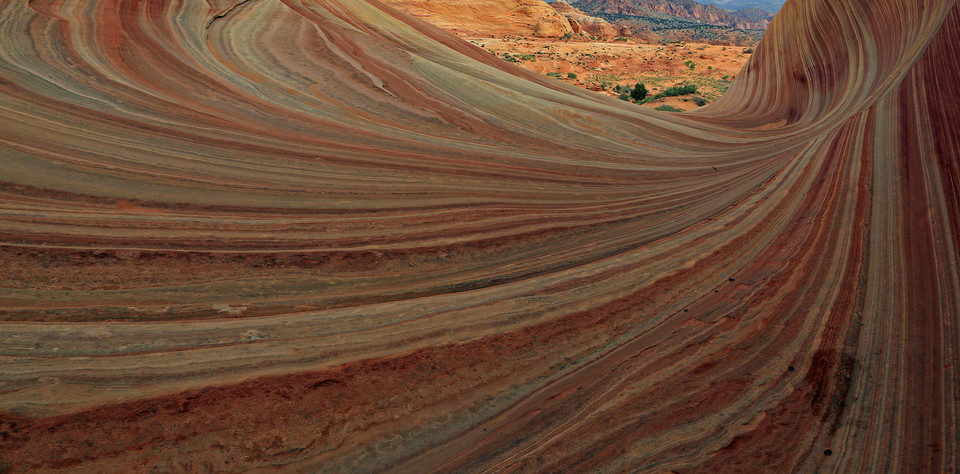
(602, 65)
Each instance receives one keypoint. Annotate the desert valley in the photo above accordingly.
(561, 41)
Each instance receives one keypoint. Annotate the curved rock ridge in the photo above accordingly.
(323, 235)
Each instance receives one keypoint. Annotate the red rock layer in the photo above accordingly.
(323, 235)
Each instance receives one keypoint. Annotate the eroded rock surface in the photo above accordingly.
(325, 235)
(489, 17)
(590, 25)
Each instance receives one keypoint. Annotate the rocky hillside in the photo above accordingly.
(489, 17)
(753, 15)
(510, 17)
(750, 19)
(772, 6)
(648, 20)
(586, 24)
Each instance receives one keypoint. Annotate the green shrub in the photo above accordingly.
(678, 90)
(690, 64)
(571, 75)
(668, 108)
(639, 92)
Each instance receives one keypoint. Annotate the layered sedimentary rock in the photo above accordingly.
(589, 24)
(489, 17)
(325, 235)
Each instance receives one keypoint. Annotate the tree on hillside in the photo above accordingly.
(639, 92)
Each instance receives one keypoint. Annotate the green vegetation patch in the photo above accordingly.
(674, 91)
(516, 58)
(709, 86)
(678, 90)
(668, 108)
(605, 78)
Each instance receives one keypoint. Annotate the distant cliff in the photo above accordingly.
(772, 6)
(745, 19)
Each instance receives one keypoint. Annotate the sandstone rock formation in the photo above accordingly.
(590, 25)
(324, 235)
(489, 17)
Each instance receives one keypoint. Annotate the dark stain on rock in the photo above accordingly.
(828, 383)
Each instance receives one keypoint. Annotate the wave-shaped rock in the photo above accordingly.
(324, 235)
